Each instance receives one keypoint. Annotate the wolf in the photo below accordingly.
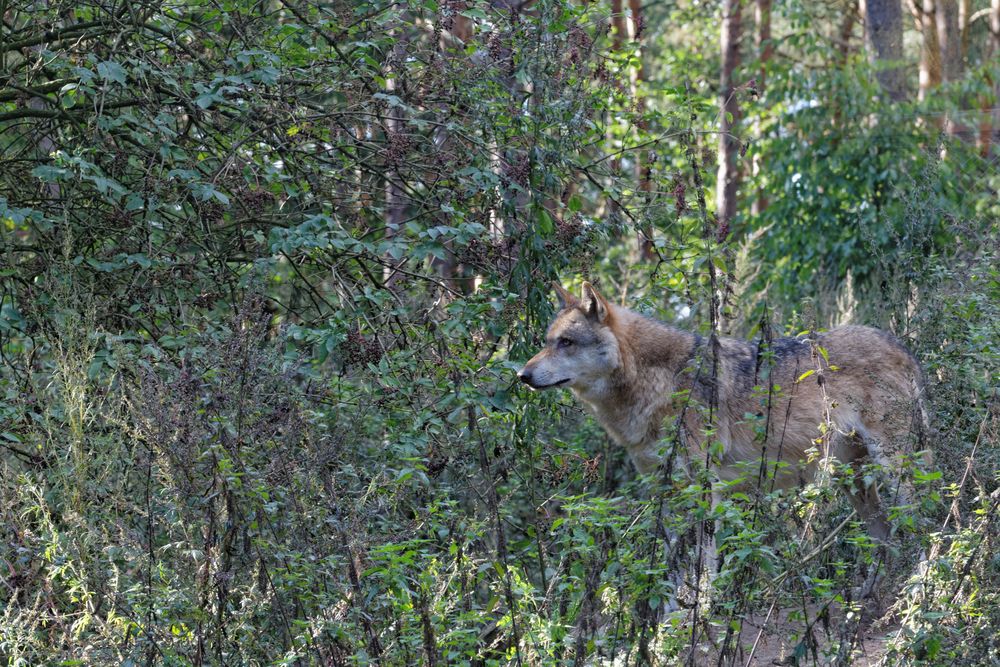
(852, 394)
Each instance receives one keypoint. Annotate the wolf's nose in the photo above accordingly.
(524, 375)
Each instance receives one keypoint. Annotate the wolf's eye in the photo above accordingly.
(564, 342)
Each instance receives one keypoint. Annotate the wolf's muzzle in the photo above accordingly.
(524, 375)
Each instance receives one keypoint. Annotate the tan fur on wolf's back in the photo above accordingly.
(627, 369)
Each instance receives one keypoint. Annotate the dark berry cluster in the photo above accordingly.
(601, 72)
(722, 231)
(151, 184)
(580, 44)
(500, 50)
(640, 26)
(679, 194)
(118, 163)
(510, 314)
(447, 20)
(568, 230)
(254, 201)
(554, 474)
(520, 171)
(387, 395)
(357, 350)
(579, 38)
(592, 469)
(120, 219)
(210, 211)
(397, 146)
(496, 47)
(481, 253)
(436, 461)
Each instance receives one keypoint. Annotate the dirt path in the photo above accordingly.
(781, 635)
(784, 630)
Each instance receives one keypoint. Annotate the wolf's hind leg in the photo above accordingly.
(865, 499)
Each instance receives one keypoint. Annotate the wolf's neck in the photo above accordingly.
(633, 400)
(649, 346)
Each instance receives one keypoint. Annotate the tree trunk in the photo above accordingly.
(459, 34)
(851, 12)
(395, 127)
(949, 38)
(728, 176)
(846, 30)
(930, 50)
(643, 170)
(884, 27)
(990, 119)
(765, 49)
(619, 30)
(619, 24)
(964, 9)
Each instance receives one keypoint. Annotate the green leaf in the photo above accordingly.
(109, 70)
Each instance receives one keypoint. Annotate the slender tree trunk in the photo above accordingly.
(930, 50)
(949, 38)
(643, 170)
(846, 30)
(964, 14)
(395, 127)
(844, 46)
(619, 24)
(884, 27)
(619, 29)
(765, 49)
(728, 176)
(990, 120)
(459, 34)
(949, 32)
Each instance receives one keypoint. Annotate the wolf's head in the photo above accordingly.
(581, 349)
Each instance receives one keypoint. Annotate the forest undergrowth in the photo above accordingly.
(269, 273)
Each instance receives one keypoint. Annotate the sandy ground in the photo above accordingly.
(783, 630)
(780, 636)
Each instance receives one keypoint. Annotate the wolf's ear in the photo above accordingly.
(565, 298)
(593, 304)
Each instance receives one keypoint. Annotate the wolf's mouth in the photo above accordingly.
(554, 384)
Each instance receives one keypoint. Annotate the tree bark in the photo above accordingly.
(990, 120)
(643, 170)
(884, 27)
(846, 30)
(619, 24)
(765, 49)
(964, 14)
(949, 31)
(930, 50)
(619, 30)
(728, 175)
(950, 39)
(395, 128)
